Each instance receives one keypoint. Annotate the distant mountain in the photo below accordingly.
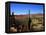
(27, 16)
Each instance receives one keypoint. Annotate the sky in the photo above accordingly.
(22, 9)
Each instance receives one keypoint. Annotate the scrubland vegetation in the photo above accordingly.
(21, 24)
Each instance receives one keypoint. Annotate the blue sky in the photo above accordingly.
(22, 9)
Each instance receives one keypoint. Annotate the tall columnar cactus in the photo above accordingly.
(29, 21)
